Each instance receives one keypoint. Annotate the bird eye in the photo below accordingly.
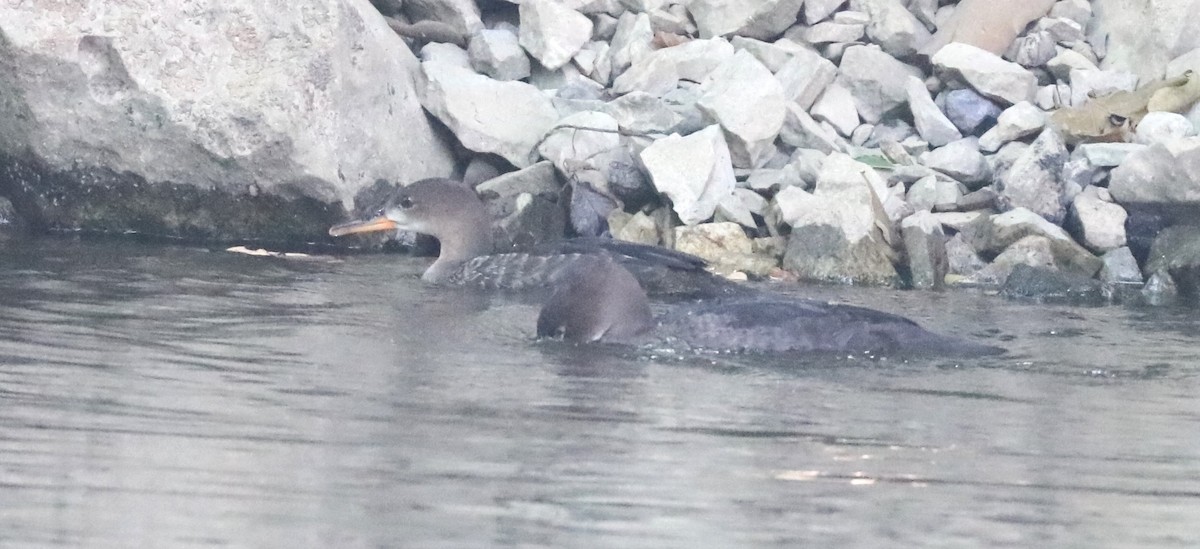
(406, 203)
(379, 213)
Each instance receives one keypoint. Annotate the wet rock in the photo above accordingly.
(836, 106)
(961, 258)
(1033, 180)
(725, 246)
(480, 110)
(892, 26)
(497, 54)
(659, 71)
(1159, 174)
(1107, 155)
(931, 193)
(1163, 127)
(801, 131)
(925, 243)
(961, 160)
(761, 19)
(1049, 285)
(125, 124)
(1098, 222)
(829, 32)
(840, 233)
(1120, 267)
(876, 80)
(1015, 122)
(695, 172)
(805, 76)
(1176, 251)
(969, 111)
(747, 101)
(632, 40)
(986, 72)
(579, 138)
(1005, 229)
(551, 32)
(933, 126)
(1031, 250)
(1160, 289)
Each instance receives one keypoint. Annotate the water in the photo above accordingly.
(175, 397)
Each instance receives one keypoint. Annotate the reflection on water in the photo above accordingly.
(164, 396)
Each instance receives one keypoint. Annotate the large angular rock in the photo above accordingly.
(578, 138)
(986, 72)
(659, 72)
(1099, 224)
(968, 110)
(1176, 251)
(931, 193)
(632, 40)
(552, 33)
(1003, 230)
(892, 26)
(480, 111)
(836, 107)
(829, 32)
(1015, 122)
(747, 101)
(497, 54)
(695, 172)
(876, 80)
(1161, 174)
(803, 132)
(1133, 46)
(988, 24)
(1032, 250)
(1163, 127)
(933, 126)
(642, 113)
(761, 19)
(926, 246)
(841, 232)
(960, 160)
(1033, 181)
(246, 125)
(805, 76)
(524, 207)
(1107, 155)
(1120, 267)
(817, 10)
(725, 246)
(461, 15)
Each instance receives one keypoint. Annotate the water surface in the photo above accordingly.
(159, 396)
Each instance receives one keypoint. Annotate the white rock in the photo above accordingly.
(925, 244)
(1120, 267)
(852, 17)
(892, 26)
(1108, 155)
(1163, 127)
(830, 32)
(449, 54)
(1099, 223)
(986, 72)
(1163, 173)
(694, 172)
(933, 193)
(660, 71)
(1066, 61)
(771, 55)
(1079, 11)
(746, 99)
(551, 33)
(818, 10)
(633, 39)
(792, 204)
(801, 131)
(805, 76)
(933, 126)
(497, 54)
(579, 137)
(1061, 30)
(959, 159)
(642, 113)
(752, 18)
(480, 111)
(1014, 123)
(1010, 227)
(1054, 96)
(876, 80)
(462, 15)
(836, 106)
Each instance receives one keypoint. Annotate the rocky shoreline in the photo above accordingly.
(1047, 145)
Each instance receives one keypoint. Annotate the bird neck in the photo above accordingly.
(460, 241)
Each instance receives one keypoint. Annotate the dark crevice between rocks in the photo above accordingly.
(100, 201)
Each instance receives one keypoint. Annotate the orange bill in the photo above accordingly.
(375, 224)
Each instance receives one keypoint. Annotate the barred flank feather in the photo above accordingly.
(515, 271)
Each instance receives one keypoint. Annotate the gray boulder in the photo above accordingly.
(1003, 230)
(1017, 121)
(725, 246)
(1098, 222)
(1033, 181)
(933, 126)
(633, 39)
(461, 15)
(524, 207)
(695, 172)
(497, 54)
(836, 107)
(658, 72)
(1161, 174)
(1163, 127)
(925, 244)
(803, 132)
(968, 110)
(115, 123)
(578, 139)
(892, 26)
(961, 160)
(805, 76)
(876, 80)
(1120, 267)
(642, 113)
(1176, 251)
(1046, 284)
(480, 111)
(551, 32)
(747, 101)
(986, 72)
(761, 19)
